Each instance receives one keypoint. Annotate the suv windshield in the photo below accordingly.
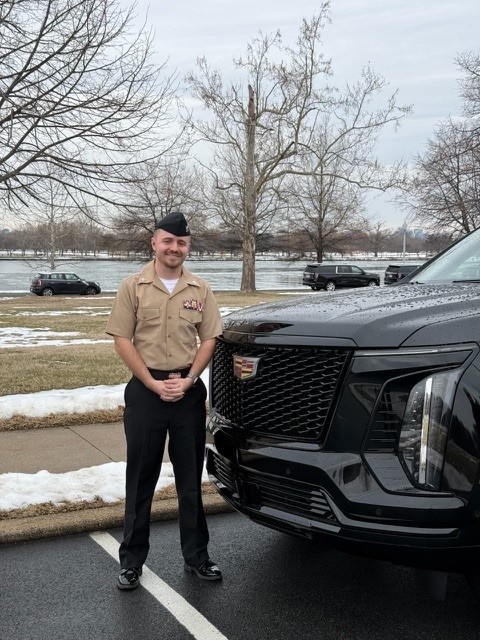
(461, 262)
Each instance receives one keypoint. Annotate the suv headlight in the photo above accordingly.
(410, 405)
(423, 437)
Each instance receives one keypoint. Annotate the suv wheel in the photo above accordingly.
(372, 283)
(330, 286)
(91, 291)
(47, 291)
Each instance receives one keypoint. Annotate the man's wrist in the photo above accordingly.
(193, 377)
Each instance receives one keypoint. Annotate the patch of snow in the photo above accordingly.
(105, 482)
(43, 403)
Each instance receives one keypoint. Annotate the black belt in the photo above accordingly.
(164, 375)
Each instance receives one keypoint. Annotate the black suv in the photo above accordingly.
(395, 272)
(331, 276)
(355, 419)
(49, 284)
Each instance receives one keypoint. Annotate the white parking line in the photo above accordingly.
(186, 615)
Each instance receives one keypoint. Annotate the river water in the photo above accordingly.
(223, 275)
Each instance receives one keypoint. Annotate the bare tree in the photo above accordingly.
(256, 136)
(469, 63)
(52, 220)
(324, 210)
(293, 123)
(445, 192)
(156, 189)
(435, 242)
(80, 101)
(341, 164)
(376, 237)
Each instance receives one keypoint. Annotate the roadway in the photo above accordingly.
(275, 587)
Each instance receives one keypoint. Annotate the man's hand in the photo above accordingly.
(172, 389)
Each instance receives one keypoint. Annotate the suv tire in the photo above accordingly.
(48, 291)
(330, 285)
(372, 283)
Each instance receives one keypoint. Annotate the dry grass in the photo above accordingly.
(32, 369)
(87, 316)
(105, 416)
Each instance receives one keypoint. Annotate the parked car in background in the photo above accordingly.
(49, 284)
(395, 272)
(332, 276)
(354, 419)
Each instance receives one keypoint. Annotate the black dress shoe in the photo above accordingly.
(129, 578)
(207, 570)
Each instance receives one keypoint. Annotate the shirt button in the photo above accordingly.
(169, 317)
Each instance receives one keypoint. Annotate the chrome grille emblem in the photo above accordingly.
(245, 368)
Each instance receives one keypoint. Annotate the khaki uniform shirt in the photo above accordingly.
(164, 327)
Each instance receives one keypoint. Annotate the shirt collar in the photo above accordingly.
(148, 275)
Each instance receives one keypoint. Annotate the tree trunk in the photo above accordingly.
(248, 244)
(52, 245)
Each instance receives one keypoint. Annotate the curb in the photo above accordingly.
(95, 519)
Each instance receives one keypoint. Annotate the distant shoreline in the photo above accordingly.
(349, 258)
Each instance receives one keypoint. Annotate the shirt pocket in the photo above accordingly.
(148, 314)
(187, 328)
(191, 316)
(148, 324)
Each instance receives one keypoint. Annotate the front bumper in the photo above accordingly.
(335, 498)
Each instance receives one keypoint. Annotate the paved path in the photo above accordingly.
(61, 449)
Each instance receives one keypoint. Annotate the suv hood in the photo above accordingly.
(403, 315)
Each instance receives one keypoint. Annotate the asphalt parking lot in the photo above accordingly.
(275, 587)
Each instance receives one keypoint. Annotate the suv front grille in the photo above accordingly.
(290, 396)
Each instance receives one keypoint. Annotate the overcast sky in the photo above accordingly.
(412, 43)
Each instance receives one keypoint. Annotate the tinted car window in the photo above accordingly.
(461, 261)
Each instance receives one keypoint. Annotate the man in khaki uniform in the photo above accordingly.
(156, 319)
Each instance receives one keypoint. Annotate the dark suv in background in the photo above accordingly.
(354, 419)
(49, 284)
(395, 272)
(332, 276)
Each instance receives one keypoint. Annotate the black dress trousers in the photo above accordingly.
(147, 421)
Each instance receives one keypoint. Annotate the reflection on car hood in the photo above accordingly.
(407, 315)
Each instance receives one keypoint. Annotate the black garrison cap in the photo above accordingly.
(174, 223)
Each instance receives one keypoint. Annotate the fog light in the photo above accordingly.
(425, 425)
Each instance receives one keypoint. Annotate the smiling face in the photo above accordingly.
(170, 253)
